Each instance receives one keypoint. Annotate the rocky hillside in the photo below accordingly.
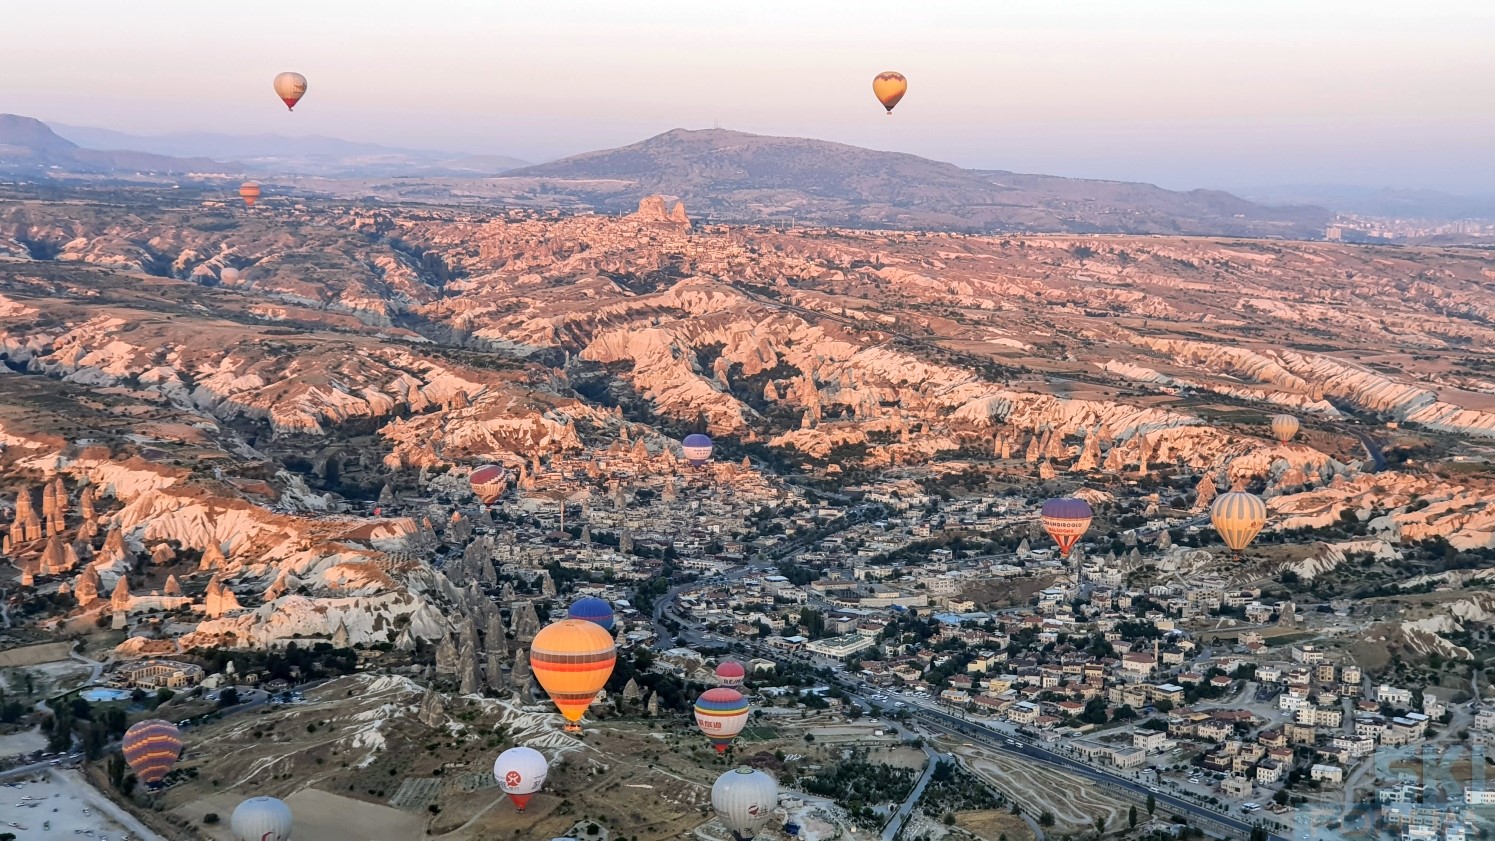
(244, 388)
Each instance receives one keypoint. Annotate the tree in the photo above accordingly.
(210, 818)
(1152, 805)
(117, 770)
(1046, 819)
(1163, 705)
(1100, 825)
(228, 698)
(1131, 817)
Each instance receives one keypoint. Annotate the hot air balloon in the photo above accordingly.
(1238, 516)
(489, 482)
(151, 747)
(520, 773)
(249, 191)
(730, 673)
(721, 713)
(228, 275)
(290, 87)
(1066, 521)
(744, 800)
(261, 819)
(697, 448)
(889, 87)
(1284, 427)
(572, 659)
(592, 609)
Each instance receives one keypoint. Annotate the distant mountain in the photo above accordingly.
(1431, 205)
(738, 176)
(310, 155)
(29, 144)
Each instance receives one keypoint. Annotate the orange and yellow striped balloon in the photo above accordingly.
(249, 191)
(151, 747)
(572, 659)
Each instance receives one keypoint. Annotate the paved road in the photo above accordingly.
(1372, 451)
(901, 816)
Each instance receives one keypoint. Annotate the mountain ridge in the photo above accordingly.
(738, 175)
(304, 154)
(28, 143)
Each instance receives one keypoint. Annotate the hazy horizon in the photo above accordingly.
(1236, 95)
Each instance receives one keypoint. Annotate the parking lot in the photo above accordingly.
(61, 805)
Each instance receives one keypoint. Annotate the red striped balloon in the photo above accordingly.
(151, 748)
(572, 659)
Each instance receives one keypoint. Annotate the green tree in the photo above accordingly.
(1131, 817)
(1152, 805)
(1100, 825)
(228, 697)
(1046, 819)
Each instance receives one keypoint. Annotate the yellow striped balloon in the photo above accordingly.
(1238, 516)
(151, 748)
(572, 659)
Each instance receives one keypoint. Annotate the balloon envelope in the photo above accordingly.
(889, 87)
(592, 609)
(697, 448)
(1284, 427)
(261, 819)
(249, 191)
(489, 482)
(721, 713)
(1066, 520)
(744, 800)
(520, 772)
(572, 659)
(1238, 516)
(151, 748)
(229, 275)
(290, 87)
(730, 673)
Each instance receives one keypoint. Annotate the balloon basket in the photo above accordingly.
(572, 728)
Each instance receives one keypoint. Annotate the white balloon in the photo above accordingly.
(520, 771)
(744, 800)
(261, 819)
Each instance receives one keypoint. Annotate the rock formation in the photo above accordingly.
(525, 622)
(447, 664)
(493, 674)
(86, 587)
(212, 557)
(432, 709)
(520, 675)
(119, 600)
(219, 600)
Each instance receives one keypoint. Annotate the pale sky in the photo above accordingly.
(1182, 93)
